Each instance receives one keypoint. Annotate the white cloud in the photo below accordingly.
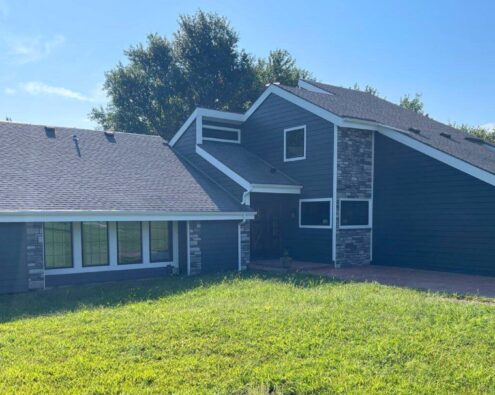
(28, 50)
(9, 91)
(36, 88)
(489, 126)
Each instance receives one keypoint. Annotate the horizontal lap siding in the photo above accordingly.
(219, 246)
(13, 270)
(186, 147)
(430, 215)
(263, 134)
(105, 276)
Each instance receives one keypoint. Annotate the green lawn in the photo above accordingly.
(249, 334)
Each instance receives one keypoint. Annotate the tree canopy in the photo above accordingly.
(163, 81)
(415, 103)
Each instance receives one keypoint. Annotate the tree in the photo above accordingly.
(415, 104)
(280, 67)
(368, 89)
(163, 81)
(477, 131)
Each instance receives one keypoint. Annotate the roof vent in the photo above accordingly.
(476, 140)
(414, 130)
(446, 135)
(50, 131)
(109, 132)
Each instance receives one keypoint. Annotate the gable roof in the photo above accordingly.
(247, 164)
(94, 171)
(356, 105)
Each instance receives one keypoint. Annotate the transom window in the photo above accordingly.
(130, 249)
(295, 143)
(355, 213)
(58, 245)
(221, 133)
(160, 241)
(315, 213)
(94, 243)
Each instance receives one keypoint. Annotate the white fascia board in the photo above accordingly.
(204, 112)
(117, 215)
(441, 156)
(183, 128)
(276, 188)
(224, 169)
(310, 87)
(274, 89)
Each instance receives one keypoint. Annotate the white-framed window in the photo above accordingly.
(295, 143)
(315, 213)
(355, 213)
(221, 133)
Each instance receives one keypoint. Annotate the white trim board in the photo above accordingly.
(75, 216)
(401, 136)
(330, 213)
(370, 213)
(293, 129)
(259, 188)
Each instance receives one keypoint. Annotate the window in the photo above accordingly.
(315, 213)
(94, 243)
(58, 245)
(160, 241)
(355, 213)
(221, 133)
(295, 143)
(129, 243)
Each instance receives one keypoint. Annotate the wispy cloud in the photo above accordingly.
(10, 91)
(23, 50)
(36, 88)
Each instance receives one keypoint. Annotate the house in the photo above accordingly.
(322, 173)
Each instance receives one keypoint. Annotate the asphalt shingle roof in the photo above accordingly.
(350, 103)
(126, 172)
(247, 164)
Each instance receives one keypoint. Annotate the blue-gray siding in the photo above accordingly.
(186, 148)
(430, 215)
(263, 134)
(219, 246)
(106, 276)
(13, 269)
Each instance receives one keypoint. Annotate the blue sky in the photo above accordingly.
(53, 54)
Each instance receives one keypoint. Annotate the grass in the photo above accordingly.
(245, 334)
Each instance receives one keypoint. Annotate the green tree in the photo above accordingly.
(477, 131)
(415, 103)
(368, 89)
(280, 67)
(163, 81)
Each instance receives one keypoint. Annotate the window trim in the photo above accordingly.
(71, 248)
(330, 222)
(285, 143)
(82, 244)
(140, 240)
(225, 129)
(370, 213)
(170, 240)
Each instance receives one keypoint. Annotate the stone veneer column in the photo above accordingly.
(245, 235)
(35, 255)
(194, 247)
(355, 181)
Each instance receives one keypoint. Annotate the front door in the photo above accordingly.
(266, 239)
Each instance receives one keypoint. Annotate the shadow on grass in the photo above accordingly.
(73, 298)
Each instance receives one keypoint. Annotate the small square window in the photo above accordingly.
(355, 213)
(315, 213)
(295, 143)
